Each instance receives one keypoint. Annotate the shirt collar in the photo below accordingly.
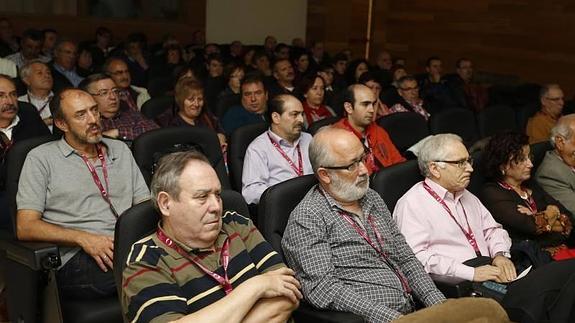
(34, 98)
(442, 192)
(282, 141)
(68, 150)
(13, 124)
(336, 206)
(218, 244)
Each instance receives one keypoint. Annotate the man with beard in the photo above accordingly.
(71, 193)
(278, 154)
(16, 123)
(345, 248)
(359, 104)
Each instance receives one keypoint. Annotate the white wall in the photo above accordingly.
(250, 21)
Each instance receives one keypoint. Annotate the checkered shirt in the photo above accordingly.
(339, 270)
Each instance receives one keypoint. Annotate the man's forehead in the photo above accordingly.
(363, 93)
(77, 99)
(199, 176)
(103, 84)
(6, 86)
(251, 87)
(117, 64)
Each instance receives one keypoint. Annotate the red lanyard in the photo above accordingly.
(299, 169)
(224, 258)
(468, 233)
(364, 235)
(530, 201)
(96, 178)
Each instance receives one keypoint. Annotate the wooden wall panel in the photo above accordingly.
(527, 38)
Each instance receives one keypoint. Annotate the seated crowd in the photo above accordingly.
(344, 249)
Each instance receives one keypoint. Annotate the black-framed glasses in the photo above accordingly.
(460, 163)
(354, 166)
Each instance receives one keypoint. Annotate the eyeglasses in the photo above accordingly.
(354, 166)
(106, 92)
(460, 163)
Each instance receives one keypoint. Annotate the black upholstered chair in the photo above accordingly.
(159, 86)
(404, 128)
(225, 103)
(157, 105)
(495, 119)
(239, 142)
(538, 151)
(477, 179)
(142, 219)
(275, 206)
(314, 127)
(524, 112)
(29, 267)
(392, 183)
(458, 121)
(148, 147)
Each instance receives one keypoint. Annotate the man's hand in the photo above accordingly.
(100, 247)
(523, 209)
(112, 133)
(487, 272)
(280, 282)
(507, 269)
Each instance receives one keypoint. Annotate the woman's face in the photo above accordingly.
(314, 96)
(248, 57)
(302, 63)
(520, 169)
(193, 104)
(236, 78)
(360, 69)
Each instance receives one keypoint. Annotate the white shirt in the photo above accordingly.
(8, 130)
(42, 105)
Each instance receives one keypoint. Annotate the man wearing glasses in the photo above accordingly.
(347, 252)
(410, 101)
(130, 95)
(117, 122)
(552, 101)
(445, 224)
(359, 103)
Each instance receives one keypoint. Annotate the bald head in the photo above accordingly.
(330, 145)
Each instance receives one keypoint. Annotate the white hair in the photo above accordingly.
(434, 148)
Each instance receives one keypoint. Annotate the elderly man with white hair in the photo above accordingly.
(556, 175)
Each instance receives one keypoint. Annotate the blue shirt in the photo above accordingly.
(238, 117)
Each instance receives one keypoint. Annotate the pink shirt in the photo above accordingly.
(437, 240)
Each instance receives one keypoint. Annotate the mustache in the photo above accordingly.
(9, 108)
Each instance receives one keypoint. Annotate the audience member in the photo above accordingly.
(16, 123)
(236, 52)
(9, 43)
(85, 62)
(30, 48)
(354, 70)
(261, 64)
(50, 41)
(63, 67)
(191, 110)
(556, 175)
(269, 45)
(339, 67)
(383, 64)
(282, 51)
(371, 81)
(177, 273)
(345, 249)
(136, 59)
(453, 234)
(312, 88)
(130, 95)
(318, 55)
(410, 101)
(552, 102)
(301, 64)
(38, 79)
(116, 121)
(326, 72)
(433, 87)
(71, 192)
(102, 46)
(254, 105)
(527, 212)
(214, 81)
(359, 103)
(284, 77)
(298, 42)
(465, 91)
(278, 154)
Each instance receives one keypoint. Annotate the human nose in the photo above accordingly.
(93, 116)
(214, 203)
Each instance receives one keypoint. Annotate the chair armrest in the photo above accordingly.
(308, 313)
(34, 255)
(452, 287)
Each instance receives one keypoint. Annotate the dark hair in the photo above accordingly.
(280, 46)
(339, 57)
(33, 34)
(56, 104)
(431, 59)
(259, 54)
(350, 70)
(231, 67)
(214, 57)
(404, 79)
(102, 30)
(368, 76)
(250, 78)
(307, 82)
(92, 79)
(277, 105)
(277, 61)
(349, 95)
(502, 147)
(461, 60)
(49, 30)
